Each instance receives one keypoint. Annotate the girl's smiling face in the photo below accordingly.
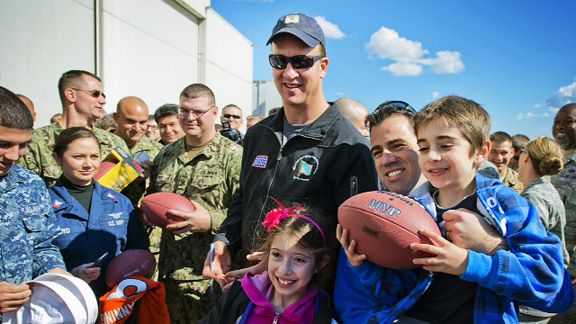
(290, 269)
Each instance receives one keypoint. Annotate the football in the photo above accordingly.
(384, 224)
(130, 263)
(155, 208)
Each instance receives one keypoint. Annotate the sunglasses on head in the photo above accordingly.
(395, 105)
(231, 116)
(92, 93)
(278, 61)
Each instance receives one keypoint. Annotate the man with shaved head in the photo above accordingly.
(131, 117)
(355, 112)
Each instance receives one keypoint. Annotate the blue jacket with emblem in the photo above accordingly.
(530, 271)
(111, 226)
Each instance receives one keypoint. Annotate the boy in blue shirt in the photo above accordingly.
(463, 285)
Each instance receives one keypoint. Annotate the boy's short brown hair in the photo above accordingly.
(465, 114)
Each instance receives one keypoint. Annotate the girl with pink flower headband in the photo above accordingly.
(296, 254)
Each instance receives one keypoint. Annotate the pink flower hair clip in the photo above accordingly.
(275, 216)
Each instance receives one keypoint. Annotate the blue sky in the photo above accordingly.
(515, 57)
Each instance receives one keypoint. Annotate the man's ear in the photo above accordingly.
(322, 263)
(70, 94)
(324, 62)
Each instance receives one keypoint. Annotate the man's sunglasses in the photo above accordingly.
(397, 105)
(298, 62)
(228, 116)
(92, 93)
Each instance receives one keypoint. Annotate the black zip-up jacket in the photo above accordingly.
(321, 167)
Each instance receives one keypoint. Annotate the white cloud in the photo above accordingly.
(408, 56)
(564, 95)
(403, 69)
(435, 94)
(387, 44)
(531, 115)
(447, 62)
(330, 29)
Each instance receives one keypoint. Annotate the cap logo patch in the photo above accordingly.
(292, 19)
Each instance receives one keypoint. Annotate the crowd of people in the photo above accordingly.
(263, 244)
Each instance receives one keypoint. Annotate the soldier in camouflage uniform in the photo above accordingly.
(26, 217)
(501, 152)
(132, 120)
(204, 167)
(539, 159)
(564, 131)
(83, 103)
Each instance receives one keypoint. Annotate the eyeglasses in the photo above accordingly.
(183, 112)
(298, 62)
(396, 105)
(92, 93)
(523, 149)
(228, 116)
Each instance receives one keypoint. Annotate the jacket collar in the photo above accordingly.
(210, 149)
(65, 202)
(317, 129)
(13, 179)
(258, 288)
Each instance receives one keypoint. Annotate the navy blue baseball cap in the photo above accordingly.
(304, 27)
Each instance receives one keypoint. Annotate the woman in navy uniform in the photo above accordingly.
(93, 220)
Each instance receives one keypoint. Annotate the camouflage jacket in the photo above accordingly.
(512, 179)
(39, 158)
(26, 228)
(544, 196)
(210, 179)
(565, 183)
(146, 145)
(135, 190)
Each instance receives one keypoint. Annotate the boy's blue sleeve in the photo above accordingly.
(367, 291)
(532, 270)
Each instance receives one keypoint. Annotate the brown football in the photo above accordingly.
(155, 208)
(130, 263)
(384, 224)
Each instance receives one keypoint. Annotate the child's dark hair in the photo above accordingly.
(69, 135)
(304, 224)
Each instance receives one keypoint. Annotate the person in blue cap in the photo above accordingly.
(307, 152)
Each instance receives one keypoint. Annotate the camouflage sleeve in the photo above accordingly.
(154, 174)
(543, 211)
(233, 165)
(46, 256)
(31, 159)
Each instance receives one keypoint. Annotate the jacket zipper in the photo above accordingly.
(276, 318)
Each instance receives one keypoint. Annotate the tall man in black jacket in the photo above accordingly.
(307, 152)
